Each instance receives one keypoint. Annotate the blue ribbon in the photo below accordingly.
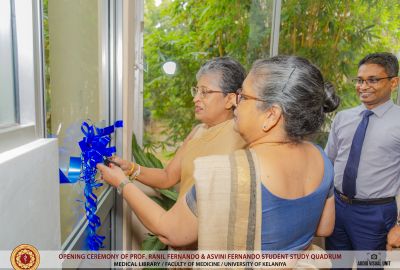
(93, 150)
(74, 171)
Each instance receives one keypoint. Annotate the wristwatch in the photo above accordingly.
(122, 185)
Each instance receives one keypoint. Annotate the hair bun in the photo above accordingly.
(332, 101)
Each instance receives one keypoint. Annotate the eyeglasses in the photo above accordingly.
(370, 81)
(240, 96)
(203, 91)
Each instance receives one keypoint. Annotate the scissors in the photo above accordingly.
(107, 161)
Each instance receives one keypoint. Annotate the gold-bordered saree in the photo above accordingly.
(229, 204)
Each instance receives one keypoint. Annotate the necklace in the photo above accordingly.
(271, 143)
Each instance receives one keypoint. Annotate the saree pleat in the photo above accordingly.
(228, 202)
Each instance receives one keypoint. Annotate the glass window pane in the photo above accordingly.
(189, 33)
(335, 35)
(73, 87)
(7, 86)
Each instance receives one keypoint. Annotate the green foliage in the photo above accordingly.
(166, 198)
(46, 48)
(334, 35)
(189, 33)
(153, 243)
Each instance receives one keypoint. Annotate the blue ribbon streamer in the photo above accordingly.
(74, 171)
(93, 150)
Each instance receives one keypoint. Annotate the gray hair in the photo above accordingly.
(232, 73)
(298, 87)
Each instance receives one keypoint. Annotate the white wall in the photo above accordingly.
(29, 196)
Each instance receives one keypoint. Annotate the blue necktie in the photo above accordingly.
(351, 170)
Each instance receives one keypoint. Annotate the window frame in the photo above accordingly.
(111, 84)
(27, 77)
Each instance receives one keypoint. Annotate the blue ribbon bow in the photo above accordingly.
(93, 150)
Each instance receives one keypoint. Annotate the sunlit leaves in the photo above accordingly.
(334, 35)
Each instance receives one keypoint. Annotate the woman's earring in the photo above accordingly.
(266, 127)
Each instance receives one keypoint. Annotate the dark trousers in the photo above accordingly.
(361, 227)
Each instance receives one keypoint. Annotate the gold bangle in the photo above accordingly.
(137, 173)
(132, 169)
